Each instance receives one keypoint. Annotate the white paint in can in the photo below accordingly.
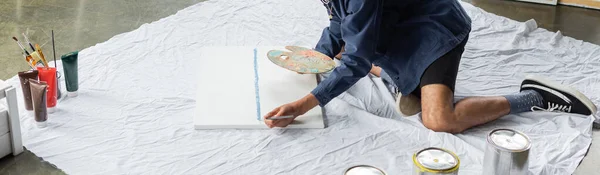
(364, 170)
(506, 153)
(435, 161)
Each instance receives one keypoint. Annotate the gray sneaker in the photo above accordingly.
(408, 105)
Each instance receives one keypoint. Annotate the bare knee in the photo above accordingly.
(438, 112)
(442, 123)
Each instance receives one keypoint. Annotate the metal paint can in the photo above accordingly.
(506, 153)
(364, 170)
(435, 161)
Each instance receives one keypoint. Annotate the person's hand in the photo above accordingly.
(286, 109)
(339, 55)
(294, 109)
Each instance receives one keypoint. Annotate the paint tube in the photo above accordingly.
(38, 95)
(69, 64)
(48, 74)
(24, 78)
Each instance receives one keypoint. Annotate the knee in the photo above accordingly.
(442, 123)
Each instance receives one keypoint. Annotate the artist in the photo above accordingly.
(416, 45)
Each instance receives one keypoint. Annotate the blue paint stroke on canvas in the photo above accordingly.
(256, 91)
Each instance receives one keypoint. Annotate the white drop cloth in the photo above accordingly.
(136, 102)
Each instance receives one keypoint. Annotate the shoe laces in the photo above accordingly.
(553, 107)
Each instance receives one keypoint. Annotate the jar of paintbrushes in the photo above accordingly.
(40, 85)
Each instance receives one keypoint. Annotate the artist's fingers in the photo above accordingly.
(269, 123)
(274, 123)
(283, 123)
(339, 55)
(279, 123)
(272, 113)
(282, 111)
(285, 110)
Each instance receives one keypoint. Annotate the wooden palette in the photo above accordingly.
(301, 60)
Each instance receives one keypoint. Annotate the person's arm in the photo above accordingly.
(359, 31)
(331, 41)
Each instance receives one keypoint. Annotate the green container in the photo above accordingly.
(69, 64)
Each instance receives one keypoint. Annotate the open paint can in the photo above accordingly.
(506, 153)
(364, 170)
(435, 161)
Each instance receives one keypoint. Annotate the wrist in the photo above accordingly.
(307, 103)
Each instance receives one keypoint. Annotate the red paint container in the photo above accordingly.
(48, 74)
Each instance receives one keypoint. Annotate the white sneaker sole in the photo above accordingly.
(571, 91)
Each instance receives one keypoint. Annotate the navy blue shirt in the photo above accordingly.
(403, 37)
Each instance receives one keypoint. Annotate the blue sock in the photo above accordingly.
(524, 100)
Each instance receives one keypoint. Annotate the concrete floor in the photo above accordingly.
(579, 23)
(79, 24)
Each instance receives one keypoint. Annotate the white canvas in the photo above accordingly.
(226, 94)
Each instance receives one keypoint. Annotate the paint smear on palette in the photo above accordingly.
(302, 60)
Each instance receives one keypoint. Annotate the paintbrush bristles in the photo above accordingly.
(28, 42)
(19, 43)
(26, 54)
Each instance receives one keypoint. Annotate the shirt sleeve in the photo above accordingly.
(359, 31)
(331, 41)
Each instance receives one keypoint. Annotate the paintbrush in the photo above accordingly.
(39, 51)
(28, 42)
(20, 45)
(28, 60)
(280, 117)
(59, 94)
(53, 50)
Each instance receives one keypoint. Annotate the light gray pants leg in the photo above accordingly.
(387, 80)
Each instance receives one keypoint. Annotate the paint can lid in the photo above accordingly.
(436, 159)
(364, 170)
(509, 139)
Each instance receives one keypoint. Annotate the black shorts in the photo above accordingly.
(443, 70)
